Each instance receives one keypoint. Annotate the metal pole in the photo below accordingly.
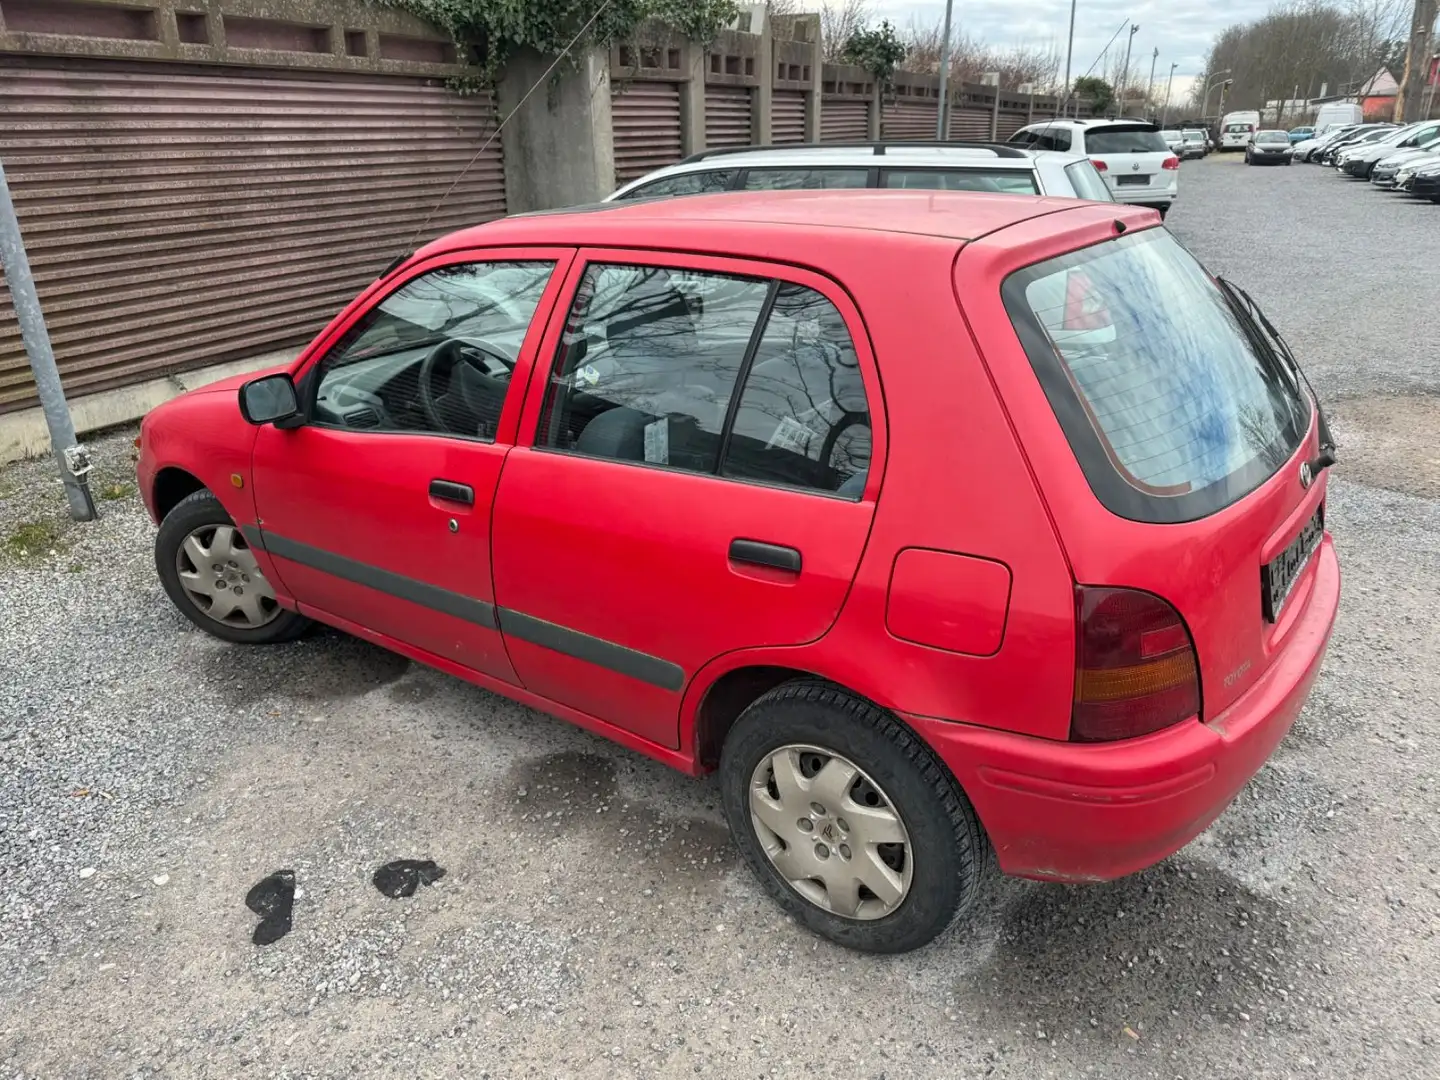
(68, 455)
(1150, 93)
(942, 124)
(1125, 75)
(1169, 85)
(1069, 51)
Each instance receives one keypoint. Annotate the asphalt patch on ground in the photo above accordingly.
(403, 876)
(273, 899)
(1390, 441)
(568, 793)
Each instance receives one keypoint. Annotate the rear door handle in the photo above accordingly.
(450, 491)
(759, 553)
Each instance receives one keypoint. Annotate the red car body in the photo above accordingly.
(947, 594)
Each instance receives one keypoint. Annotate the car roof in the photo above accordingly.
(865, 154)
(948, 216)
(1092, 124)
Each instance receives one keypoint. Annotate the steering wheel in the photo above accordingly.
(452, 353)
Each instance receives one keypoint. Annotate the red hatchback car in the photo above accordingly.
(933, 521)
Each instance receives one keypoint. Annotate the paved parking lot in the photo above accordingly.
(594, 921)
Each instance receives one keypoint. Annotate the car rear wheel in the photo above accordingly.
(848, 820)
(212, 576)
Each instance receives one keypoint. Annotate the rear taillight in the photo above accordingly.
(1100, 166)
(1171, 163)
(1135, 668)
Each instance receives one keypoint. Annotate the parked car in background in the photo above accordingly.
(1366, 133)
(1420, 178)
(1423, 181)
(1195, 144)
(1175, 140)
(952, 166)
(1132, 157)
(1387, 170)
(1300, 134)
(1360, 159)
(1236, 129)
(693, 486)
(1268, 148)
(1305, 151)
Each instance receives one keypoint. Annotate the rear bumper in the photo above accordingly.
(1073, 812)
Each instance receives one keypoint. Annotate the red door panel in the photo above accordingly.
(633, 557)
(348, 519)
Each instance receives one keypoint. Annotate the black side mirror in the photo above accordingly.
(269, 400)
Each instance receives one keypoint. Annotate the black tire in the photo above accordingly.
(191, 513)
(947, 846)
(1164, 212)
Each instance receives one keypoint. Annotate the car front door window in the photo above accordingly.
(435, 356)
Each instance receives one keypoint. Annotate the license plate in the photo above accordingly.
(1132, 180)
(1278, 576)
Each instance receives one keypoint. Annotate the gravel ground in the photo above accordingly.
(594, 921)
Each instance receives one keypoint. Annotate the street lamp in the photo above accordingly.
(942, 121)
(1150, 93)
(1170, 83)
(1069, 49)
(1205, 104)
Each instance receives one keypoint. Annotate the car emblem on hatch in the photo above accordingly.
(1135, 167)
(1307, 474)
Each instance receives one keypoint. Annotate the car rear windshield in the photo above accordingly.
(1174, 402)
(1236, 129)
(1125, 140)
(1272, 137)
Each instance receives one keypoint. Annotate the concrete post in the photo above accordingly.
(877, 108)
(692, 100)
(815, 96)
(560, 144)
(763, 96)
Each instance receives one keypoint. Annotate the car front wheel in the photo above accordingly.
(848, 820)
(212, 576)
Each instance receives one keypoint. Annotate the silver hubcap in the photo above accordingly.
(221, 577)
(831, 832)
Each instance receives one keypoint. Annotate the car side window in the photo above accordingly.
(1006, 181)
(790, 179)
(1024, 138)
(1060, 138)
(649, 360)
(435, 355)
(696, 183)
(802, 420)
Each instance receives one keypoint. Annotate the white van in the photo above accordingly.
(1237, 128)
(1338, 114)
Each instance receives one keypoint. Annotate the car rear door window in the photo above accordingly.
(650, 358)
(1007, 181)
(815, 178)
(1125, 140)
(1174, 405)
(695, 183)
(1059, 139)
(802, 419)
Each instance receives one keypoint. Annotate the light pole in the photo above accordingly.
(1069, 50)
(1205, 104)
(1150, 93)
(1169, 85)
(1125, 75)
(942, 121)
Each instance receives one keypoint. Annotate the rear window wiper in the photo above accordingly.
(1246, 307)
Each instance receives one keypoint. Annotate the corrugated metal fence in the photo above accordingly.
(727, 116)
(787, 124)
(177, 218)
(646, 121)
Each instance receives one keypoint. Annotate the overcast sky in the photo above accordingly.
(1181, 29)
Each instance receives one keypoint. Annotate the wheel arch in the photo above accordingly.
(173, 485)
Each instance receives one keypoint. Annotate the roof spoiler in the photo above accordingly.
(1001, 150)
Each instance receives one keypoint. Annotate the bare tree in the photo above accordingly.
(838, 20)
(970, 58)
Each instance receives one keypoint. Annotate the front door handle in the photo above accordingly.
(759, 553)
(450, 491)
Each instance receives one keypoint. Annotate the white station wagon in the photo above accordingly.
(1132, 156)
(933, 166)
